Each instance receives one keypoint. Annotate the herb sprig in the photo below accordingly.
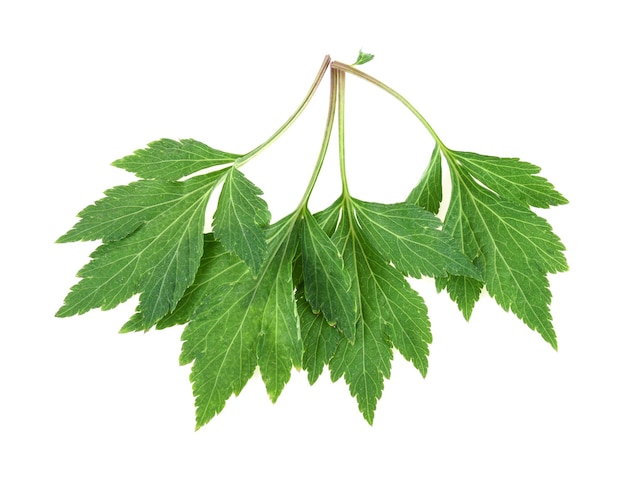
(312, 290)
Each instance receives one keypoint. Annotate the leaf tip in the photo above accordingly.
(363, 58)
(554, 344)
(62, 312)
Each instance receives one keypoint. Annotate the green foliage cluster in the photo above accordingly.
(311, 290)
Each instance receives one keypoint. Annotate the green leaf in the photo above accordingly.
(311, 291)
(216, 266)
(247, 322)
(410, 237)
(124, 209)
(363, 58)
(514, 248)
(158, 258)
(326, 284)
(509, 177)
(390, 314)
(365, 363)
(401, 308)
(319, 338)
(171, 160)
(327, 220)
(222, 345)
(280, 347)
(464, 291)
(240, 217)
(429, 193)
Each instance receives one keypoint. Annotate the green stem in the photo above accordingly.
(341, 101)
(325, 141)
(318, 79)
(347, 68)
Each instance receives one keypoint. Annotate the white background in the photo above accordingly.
(84, 83)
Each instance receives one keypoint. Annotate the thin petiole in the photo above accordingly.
(326, 140)
(341, 101)
(318, 79)
(347, 68)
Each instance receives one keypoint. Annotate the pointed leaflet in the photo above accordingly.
(365, 363)
(327, 220)
(511, 178)
(428, 193)
(216, 266)
(462, 290)
(326, 284)
(363, 58)
(513, 247)
(319, 339)
(280, 347)
(390, 314)
(221, 345)
(246, 322)
(410, 238)
(124, 209)
(159, 259)
(403, 311)
(171, 160)
(239, 218)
